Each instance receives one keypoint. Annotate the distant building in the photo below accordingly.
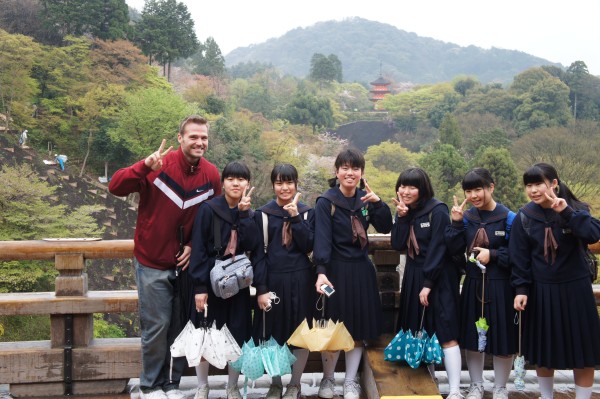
(379, 90)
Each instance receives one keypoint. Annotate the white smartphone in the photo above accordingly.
(328, 290)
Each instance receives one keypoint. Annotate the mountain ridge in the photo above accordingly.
(367, 47)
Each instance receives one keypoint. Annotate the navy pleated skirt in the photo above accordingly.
(356, 300)
(442, 314)
(561, 325)
(498, 310)
(297, 299)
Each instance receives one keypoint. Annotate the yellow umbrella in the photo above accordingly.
(325, 335)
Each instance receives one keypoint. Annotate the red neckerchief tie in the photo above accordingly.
(232, 244)
(413, 246)
(286, 234)
(358, 231)
(550, 244)
(481, 240)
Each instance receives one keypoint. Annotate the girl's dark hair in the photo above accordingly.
(284, 172)
(540, 172)
(354, 159)
(418, 178)
(235, 169)
(477, 177)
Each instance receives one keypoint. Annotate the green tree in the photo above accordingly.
(208, 60)
(104, 19)
(17, 88)
(148, 116)
(546, 103)
(463, 84)
(325, 69)
(166, 32)
(446, 168)
(495, 137)
(576, 77)
(307, 109)
(504, 171)
(450, 132)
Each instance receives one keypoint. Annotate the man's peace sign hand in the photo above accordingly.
(154, 160)
(370, 196)
(245, 202)
(457, 210)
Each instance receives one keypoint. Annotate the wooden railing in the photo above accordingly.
(72, 361)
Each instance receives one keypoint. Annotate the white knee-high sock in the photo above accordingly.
(453, 365)
(475, 362)
(299, 364)
(352, 362)
(233, 375)
(583, 392)
(202, 373)
(502, 367)
(329, 360)
(546, 385)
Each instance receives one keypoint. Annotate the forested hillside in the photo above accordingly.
(107, 97)
(361, 45)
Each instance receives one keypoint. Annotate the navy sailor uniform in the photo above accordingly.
(285, 271)
(561, 323)
(346, 264)
(432, 267)
(499, 294)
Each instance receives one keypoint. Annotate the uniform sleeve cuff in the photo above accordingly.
(261, 289)
(566, 213)
(244, 214)
(428, 283)
(522, 290)
(321, 269)
(458, 224)
(200, 289)
(378, 204)
(296, 219)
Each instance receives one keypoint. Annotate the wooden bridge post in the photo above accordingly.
(72, 281)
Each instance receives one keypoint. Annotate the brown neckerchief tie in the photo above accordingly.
(358, 231)
(413, 246)
(232, 244)
(481, 240)
(550, 244)
(286, 234)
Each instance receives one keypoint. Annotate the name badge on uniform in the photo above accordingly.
(426, 224)
(500, 233)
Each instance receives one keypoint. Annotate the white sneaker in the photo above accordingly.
(454, 395)
(158, 394)
(292, 391)
(475, 391)
(175, 394)
(500, 393)
(274, 392)
(351, 390)
(326, 388)
(233, 393)
(202, 392)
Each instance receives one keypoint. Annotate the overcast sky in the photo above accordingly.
(559, 31)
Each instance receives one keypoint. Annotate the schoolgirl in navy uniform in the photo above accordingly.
(484, 230)
(552, 281)
(286, 270)
(431, 281)
(341, 254)
(239, 234)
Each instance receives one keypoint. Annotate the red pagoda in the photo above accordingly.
(379, 90)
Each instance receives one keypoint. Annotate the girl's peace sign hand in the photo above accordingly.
(457, 210)
(556, 203)
(401, 207)
(244, 204)
(370, 196)
(154, 160)
(292, 207)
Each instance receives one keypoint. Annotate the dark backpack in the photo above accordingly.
(589, 256)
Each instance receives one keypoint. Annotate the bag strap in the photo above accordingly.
(265, 220)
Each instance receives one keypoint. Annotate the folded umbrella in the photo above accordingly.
(394, 351)
(433, 352)
(519, 364)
